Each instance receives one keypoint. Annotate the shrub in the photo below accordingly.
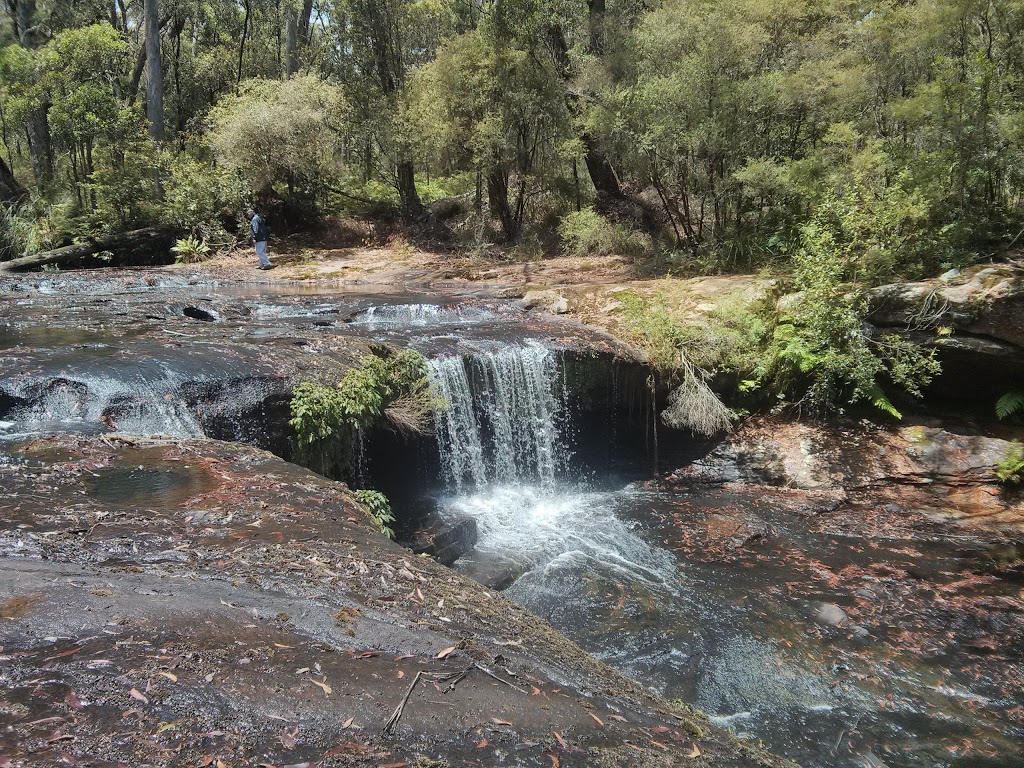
(281, 132)
(819, 352)
(377, 506)
(330, 420)
(588, 233)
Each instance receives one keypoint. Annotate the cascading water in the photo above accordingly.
(502, 419)
(577, 555)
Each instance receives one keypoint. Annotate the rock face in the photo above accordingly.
(192, 602)
(974, 318)
(945, 471)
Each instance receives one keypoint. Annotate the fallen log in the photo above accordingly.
(140, 247)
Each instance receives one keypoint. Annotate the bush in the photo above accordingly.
(20, 234)
(588, 233)
(196, 193)
(281, 133)
(330, 420)
(819, 352)
(377, 506)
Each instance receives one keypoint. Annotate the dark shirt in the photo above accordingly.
(257, 229)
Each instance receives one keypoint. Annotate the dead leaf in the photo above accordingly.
(561, 741)
(499, 721)
(555, 762)
(206, 761)
(393, 765)
(535, 691)
(597, 719)
(347, 723)
(694, 753)
(288, 739)
(620, 718)
(659, 729)
(481, 744)
(405, 656)
(401, 674)
(136, 694)
(73, 701)
(170, 676)
(326, 688)
(445, 652)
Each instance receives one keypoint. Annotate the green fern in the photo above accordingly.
(1010, 404)
(882, 403)
(1011, 468)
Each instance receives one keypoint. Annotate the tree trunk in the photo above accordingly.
(596, 19)
(407, 193)
(24, 23)
(291, 43)
(140, 247)
(304, 28)
(38, 127)
(140, 65)
(10, 190)
(241, 41)
(154, 74)
(606, 183)
(497, 195)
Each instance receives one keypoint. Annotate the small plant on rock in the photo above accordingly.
(378, 508)
(1010, 469)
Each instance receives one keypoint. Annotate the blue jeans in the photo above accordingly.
(261, 251)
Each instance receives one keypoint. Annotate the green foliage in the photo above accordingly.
(378, 507)
(330, 420)
(197, 192)
(588, 233)
(281, 133)
(820, 354)
(653, 326)
(1010, 469)
(190, 250)
(1011, 404)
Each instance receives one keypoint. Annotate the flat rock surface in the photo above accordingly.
(202, 603)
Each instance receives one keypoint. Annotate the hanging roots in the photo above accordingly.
(693, 406)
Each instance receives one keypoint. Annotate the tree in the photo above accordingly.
(154, 72)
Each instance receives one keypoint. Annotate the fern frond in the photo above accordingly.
(882, 403)
(1010, 404)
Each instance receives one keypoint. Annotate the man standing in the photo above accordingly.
(258, 237)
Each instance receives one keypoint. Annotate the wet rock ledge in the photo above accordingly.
(201, 603)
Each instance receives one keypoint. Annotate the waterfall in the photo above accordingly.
(501, 421)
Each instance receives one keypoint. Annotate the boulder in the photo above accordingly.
(446, 540)
(548, 301)
(974, 319)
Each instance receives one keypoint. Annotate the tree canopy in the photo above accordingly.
(720, 130)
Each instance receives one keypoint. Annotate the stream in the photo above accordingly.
(778, 612)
